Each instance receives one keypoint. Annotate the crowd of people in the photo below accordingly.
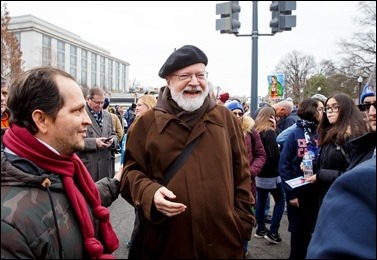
(58, 172)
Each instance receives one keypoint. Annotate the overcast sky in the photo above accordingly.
(145, 33)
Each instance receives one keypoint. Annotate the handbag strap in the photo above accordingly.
(179, 161)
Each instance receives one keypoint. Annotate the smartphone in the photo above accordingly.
(107, 139)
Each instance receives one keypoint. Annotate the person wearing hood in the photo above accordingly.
(204, 211)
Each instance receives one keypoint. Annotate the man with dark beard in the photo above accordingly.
(204, 211)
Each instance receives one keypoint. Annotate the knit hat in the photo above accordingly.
(367, 92)
(183, 57)
(233, 105)
(224, 97)
(320, 97)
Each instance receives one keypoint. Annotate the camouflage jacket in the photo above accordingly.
(28, 228)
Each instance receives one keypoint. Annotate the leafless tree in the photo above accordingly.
(358, 54)
(297, 67)
(11, 62)
(357, 57)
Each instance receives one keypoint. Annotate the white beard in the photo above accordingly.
(189, 103)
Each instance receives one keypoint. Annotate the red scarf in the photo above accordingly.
(75, 178)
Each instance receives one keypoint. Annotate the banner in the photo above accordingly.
(276, 85)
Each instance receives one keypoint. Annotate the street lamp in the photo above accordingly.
(359, 80)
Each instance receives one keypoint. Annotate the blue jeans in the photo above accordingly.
(277, 214)
(267, 209)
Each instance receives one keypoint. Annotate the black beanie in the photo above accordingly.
(183, 57)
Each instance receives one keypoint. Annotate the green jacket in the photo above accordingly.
(28, 229)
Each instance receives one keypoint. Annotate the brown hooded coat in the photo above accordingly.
(214, 184)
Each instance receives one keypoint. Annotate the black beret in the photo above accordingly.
(183, 57)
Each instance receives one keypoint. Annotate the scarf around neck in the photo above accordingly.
(78, 184)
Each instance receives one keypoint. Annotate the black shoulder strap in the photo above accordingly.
(339, 147)
(252, 139)
(179, 161)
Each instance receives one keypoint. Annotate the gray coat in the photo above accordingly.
(99, 162)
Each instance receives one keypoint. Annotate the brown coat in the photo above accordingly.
(214, 184)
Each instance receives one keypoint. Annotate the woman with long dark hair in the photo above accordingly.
(343, 137)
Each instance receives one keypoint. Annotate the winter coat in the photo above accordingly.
(214, 184)
(290, 159)
(99, 162)
(118, 127)
(28, 229)
(255, 149)
(288, 121)
(270, 168)
(302, 219)
(335, 160)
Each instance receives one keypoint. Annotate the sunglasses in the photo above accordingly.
(238, 113)
(366, 107)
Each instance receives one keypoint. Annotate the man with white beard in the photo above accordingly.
(204, 211)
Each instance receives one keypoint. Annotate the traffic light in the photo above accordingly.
(229, 21)
(282, 18)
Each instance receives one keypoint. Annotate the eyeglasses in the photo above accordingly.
(333, 109)
(366, 106)
(187, 77)
(238, 114)
(98, 102)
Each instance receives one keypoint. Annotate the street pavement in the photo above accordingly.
(123, 215)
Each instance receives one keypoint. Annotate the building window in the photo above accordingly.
(84, 67)
(61, 55)
(116, 76)
(46, 50)
(93, 69)
(110, 74)
(102, 72)
(73, 62)
(124, 83)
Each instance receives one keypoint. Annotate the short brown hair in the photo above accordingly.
(35, 89)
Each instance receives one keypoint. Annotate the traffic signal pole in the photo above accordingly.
(254, 60)
(254, 57)
(282, 20)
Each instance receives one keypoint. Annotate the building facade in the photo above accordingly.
(44, 44)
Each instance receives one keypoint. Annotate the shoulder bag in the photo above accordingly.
(137, 236)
